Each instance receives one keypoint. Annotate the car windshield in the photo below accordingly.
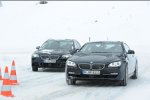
(102, 47)
(58, 45)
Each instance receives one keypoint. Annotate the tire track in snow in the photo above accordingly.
(63, 92)
(38, 80)
(88, 92)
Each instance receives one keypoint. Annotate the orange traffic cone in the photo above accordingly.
(6, 87)
(0, 74)
(13, 76)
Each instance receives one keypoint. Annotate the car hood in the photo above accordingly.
(96, 58)
(47, 51)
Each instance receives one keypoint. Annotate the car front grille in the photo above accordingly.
(54, 56)
(98, 66)
(91, 66)
(49, 56)
(84, 66)
(44, 57)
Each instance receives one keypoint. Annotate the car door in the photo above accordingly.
(131, 60)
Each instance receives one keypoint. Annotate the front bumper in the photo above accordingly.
(37, 62)
(105, 74)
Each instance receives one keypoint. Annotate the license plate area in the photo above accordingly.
(50, 61)
(90, 72)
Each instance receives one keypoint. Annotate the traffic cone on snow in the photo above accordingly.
(6, 86)
(0, 74)
(13, 76)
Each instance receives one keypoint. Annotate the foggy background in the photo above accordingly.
(27, 24)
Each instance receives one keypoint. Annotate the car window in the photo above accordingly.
(58, 45)
(102, 48)
(77, 45)
(126, 47)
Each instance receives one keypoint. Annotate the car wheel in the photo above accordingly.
(135, 75)
(34, 68)
(71, 81)
(124, 81)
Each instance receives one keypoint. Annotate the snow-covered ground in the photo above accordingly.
(49, 84)
(24, 25)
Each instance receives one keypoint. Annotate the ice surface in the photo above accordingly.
(49, 84)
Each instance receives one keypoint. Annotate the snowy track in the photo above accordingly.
(49, 84)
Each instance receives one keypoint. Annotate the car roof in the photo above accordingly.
(106, 42)
(62, 39)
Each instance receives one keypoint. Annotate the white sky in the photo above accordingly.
(26, 24)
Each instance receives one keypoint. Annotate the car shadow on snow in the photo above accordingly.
(51, 70)
(103, 83)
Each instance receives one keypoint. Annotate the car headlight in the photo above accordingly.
(66, 56)
(115, 64)
(35, 55)
(70, 63)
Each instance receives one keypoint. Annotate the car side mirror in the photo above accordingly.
(38, 47)
(74, 51)
(131, 52)
(77, 50)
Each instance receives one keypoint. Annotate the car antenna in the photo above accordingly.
(107, 38)
(89, 39)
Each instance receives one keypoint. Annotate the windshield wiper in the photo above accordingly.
(98, 52)
(101, 52)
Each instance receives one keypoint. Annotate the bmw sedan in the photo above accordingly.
(53, 53)
(104, 60)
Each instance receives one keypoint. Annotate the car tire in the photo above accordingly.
(34, 68)
(71, 81)
(135, 75)
(125, 79)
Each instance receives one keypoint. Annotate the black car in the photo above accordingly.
(104, 60)
(54, 53)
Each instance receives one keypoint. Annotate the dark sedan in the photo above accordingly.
(54, 53)
(110, 60)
